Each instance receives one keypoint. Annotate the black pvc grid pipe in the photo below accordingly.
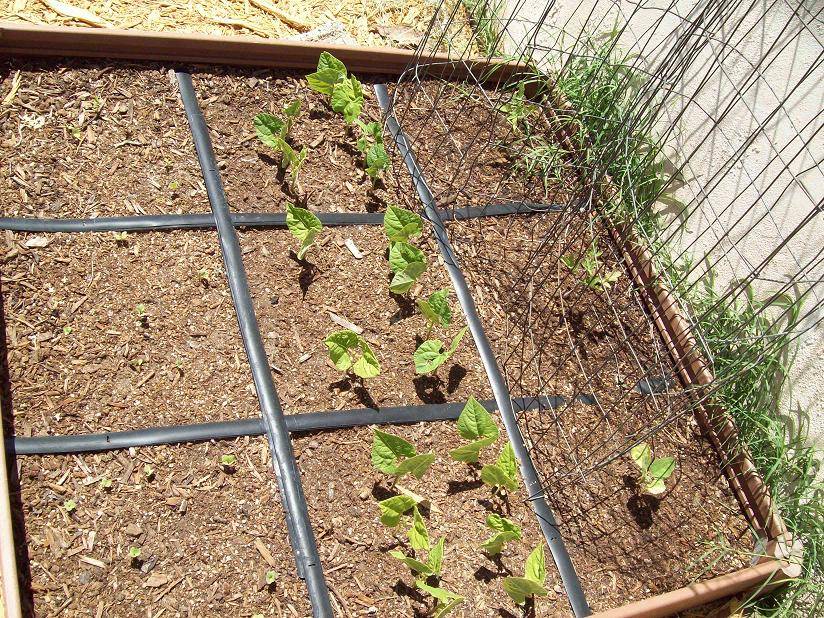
(534, 487)
(273, 423)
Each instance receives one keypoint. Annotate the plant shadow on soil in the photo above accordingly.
(15, 493)
(308, 272)
(355, 385)
(642, 507)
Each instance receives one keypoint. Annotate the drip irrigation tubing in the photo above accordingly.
(226, 430)
(546, 518)
(296, 510)
(141, 223)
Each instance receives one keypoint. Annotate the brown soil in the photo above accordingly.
(625, 545)
(82, 139)
(332, 177)
(183, 362)
(198, 529)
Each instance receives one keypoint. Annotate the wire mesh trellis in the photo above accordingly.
(688, 133)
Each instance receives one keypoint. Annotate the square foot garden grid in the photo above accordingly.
(341, 532)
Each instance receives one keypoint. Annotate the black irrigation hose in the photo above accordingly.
(297, 513)
(563, 562)
(246, 219)
(295, 423)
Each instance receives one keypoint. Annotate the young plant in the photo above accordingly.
(432, 566)
(401, 224)
(371, 145)
(271, 130)
(518, 109)
(345, 91)
(392, 509)
(105, 484)
(67, 330)
(431, 354)
(270, 577)
(70, 506)
(293, 160)
(228, 462)
(408, 263)
(589, 262)
(504, 472)
(445, 601)
(340, 346)
(653, 471)
(532, 583)
(121, 238)
(304, 226)
(474, 424)
(142, 316)
(394, 455)
(204, 277)
(148, 472)
(505, 531)
(134, 555)
(436, 310)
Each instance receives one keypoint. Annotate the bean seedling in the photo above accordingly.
(392, 509)
(371, 145)
(408, 263)
(474, 424)
(105, 484)
(401, 224)
(70, 506)
(446, 601)
(433, 564)
(270, 577)
(431, 354)
(345, 92)
(532, 583)
(121, 238)
(228, 462)
(340, 346)
(504, 472)
(67, 330)
(393, 455)
(148, 472)
(589, 262)
(271, 130)
(653, 471)
(304, 226)
(134, 553)
(436, 310)
(505, 531)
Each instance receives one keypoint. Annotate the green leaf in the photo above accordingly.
(292, 110)
(347, 98)
(268, 129)
(469, 453)
(507, 461)
(412, 563)
(367, 366)
(402, 281)
(328, 61)
(339, 344)
(324, 80)
(662, 468)
(519, 588)
(446, 601)
(435, 558)
(387, 449)
(402, 254)
(374, 130)
(418, 535)
(476, 422)
(495, 545)
(436, 309)
(535, 569)
(430, 354)
(502, 524)
(392, 509)
(376, 160)
(416, 466)
(304, 226)
(641, 455)
(493, 474)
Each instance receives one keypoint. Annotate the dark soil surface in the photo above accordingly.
(332, 177)
(83, 139)
(111, 335)
(206, 538)
(553, 334)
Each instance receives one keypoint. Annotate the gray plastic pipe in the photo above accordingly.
(546, 518)
(297, 513)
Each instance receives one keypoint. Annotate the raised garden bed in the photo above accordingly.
(159, 294)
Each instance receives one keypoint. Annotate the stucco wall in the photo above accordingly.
(750, 175)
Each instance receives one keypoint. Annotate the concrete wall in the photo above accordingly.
(730, 101)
